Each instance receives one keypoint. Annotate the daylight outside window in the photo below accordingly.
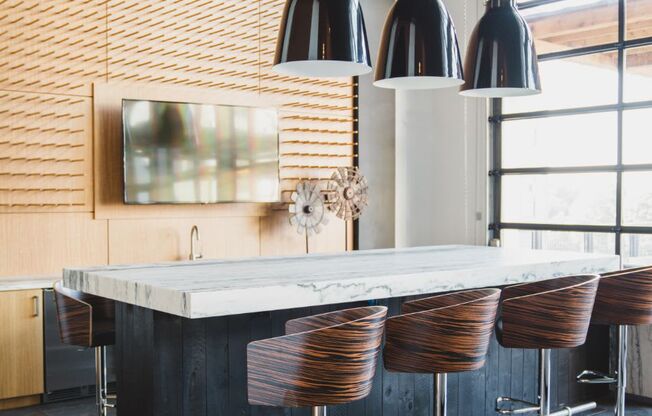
(572, 167)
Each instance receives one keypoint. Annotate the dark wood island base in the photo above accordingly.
(167, 365)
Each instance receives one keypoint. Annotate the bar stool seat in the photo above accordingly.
(325, 359)
(88, 321)
(442, 334)
(624, 298)
(544, 315)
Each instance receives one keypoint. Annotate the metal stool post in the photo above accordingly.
(101, 384)
(544, 382)
(620, 377)
(442, 334)
(440, 395)
(319, 411)
(545, 315)
(624, 298)
(622, 370)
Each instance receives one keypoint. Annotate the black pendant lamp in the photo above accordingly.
(419, 48)
(322, 38)
(501, 60)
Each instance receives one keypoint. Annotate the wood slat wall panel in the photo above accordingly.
(53, 47)
(54, 58)
(316, 114)
(221, 46)
(45, 153)
(209, 44)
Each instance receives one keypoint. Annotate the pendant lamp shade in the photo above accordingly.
(501, 60)
(322, 38)
(419, 48)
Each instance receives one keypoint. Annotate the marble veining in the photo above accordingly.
(228, 287)
(26, 283)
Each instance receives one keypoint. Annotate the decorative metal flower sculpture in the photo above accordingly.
(308, 212)
(346, 193)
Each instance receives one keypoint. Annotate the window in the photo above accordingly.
(572, 167)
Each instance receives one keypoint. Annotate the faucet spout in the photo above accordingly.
(195, 239)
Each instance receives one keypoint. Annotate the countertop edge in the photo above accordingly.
(269, 297)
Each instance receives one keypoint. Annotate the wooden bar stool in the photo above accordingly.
(324, 360)
(544, 315)
(88, 321)
(441, 334)
(624, 298)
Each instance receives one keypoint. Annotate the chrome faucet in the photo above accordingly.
(195, 240)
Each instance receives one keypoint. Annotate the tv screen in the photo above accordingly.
(181, 153)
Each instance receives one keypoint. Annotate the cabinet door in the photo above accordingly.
(21, 343)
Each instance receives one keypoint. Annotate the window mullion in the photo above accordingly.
(496, 129)
(622, 11)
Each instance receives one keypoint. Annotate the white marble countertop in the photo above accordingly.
(26, 282)
(229, 287)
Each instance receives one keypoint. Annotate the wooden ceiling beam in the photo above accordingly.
(603, 18)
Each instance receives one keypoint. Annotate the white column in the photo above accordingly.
(377, 141)
(441, 158)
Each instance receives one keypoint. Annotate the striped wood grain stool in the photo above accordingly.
(88, 321)
(325, 359)
(544, 315)
(624, 298)
(442, 334)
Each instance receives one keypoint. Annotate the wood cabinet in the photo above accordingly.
(21, 343)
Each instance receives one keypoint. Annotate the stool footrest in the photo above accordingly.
(529, 407)
(110, 405)
(574, 410)
(594, 377)
(503, 402)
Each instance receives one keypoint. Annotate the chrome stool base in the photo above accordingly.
(440, 395)
(528, 407)
(103, 399)
(319, 411)
(595, 377)
(542, 408)
(620, 378)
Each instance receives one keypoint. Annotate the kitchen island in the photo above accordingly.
(182, 328)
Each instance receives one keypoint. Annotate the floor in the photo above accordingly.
(86, 407)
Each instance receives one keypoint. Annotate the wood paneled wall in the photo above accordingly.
(63, 66)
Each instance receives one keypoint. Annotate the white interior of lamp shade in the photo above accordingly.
(321, 69)
(418, 83)
(499, 92)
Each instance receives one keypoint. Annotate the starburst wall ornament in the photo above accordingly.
(307, 212)
(346, 193)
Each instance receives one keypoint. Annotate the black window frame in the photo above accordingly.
(497, 117)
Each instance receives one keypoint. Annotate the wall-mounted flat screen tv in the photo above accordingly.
(182, 153)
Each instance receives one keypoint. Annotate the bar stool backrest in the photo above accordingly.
(84, 320)
(324, 360)
(442, 334)
(624, 298)
(553, 313)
